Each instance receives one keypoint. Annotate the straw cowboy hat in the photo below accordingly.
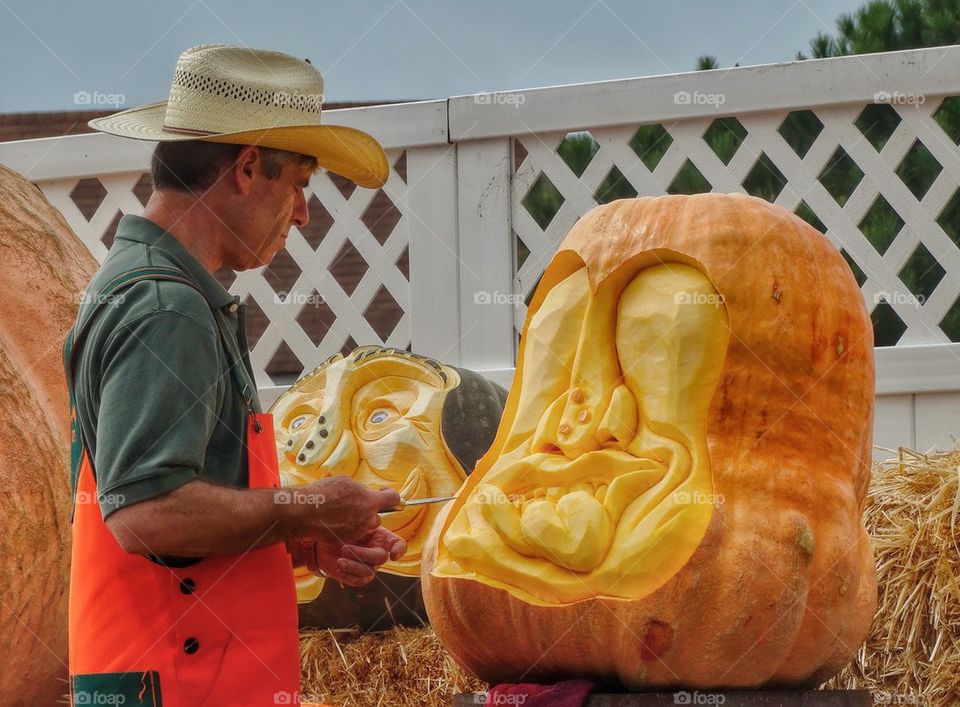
(223, 93)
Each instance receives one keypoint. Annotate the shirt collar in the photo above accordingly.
(143, 230)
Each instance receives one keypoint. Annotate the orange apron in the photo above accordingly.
(219, 632)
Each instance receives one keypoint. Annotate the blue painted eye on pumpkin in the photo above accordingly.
(298, 422)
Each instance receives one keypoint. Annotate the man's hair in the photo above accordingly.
(193, 165)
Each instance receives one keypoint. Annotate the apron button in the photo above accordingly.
(234, 307)
(191, 646)
(187, 586)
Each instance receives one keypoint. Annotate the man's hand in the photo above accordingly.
(354, 564)
(336, 510)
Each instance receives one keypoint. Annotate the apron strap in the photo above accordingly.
(79, 331)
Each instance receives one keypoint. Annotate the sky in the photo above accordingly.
(122, 52)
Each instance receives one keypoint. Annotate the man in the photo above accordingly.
(181, 586)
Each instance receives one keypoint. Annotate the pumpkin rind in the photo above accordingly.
(44, 267)
(781, 588)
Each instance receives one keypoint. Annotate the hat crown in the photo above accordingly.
(220, 88)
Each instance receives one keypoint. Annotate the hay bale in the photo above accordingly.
(402, 666)
(912, 655)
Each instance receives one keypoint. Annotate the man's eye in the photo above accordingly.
(298, 422)
(379, 416)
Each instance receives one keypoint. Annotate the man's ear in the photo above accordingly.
(245, 168)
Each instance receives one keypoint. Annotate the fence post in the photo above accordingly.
(434, 264)
(486, 255)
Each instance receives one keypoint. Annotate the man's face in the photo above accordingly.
(271, 207)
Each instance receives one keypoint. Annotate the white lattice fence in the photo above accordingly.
(340, 281)
(802, 175)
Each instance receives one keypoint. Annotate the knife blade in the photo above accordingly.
(417, 502)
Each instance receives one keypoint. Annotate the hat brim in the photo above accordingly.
(346, 151)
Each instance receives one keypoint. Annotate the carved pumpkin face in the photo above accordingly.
(681, 467)
(373, 416)
(385, 417)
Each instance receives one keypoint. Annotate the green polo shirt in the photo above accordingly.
(156, 399)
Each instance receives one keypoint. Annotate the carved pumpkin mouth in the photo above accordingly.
(579, 498)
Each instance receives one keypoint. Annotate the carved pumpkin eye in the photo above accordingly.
(378, 416)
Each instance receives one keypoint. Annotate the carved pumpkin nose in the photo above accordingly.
(597, 410)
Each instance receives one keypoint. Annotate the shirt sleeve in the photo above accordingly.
(158, 407)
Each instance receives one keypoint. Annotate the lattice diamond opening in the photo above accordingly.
(876, 122)
(614, 186)
(285, 366)
(348, 346)
(400, 166)
(282, 273)
(381, 216)
(319, 225)
(255, 320)
(226, 277)
(519, 154)
(950, 324)
(881, 224)
(348, 267)
(403, 263)
(800, 130)
(316, 318)
(543, 201)
(949, 218)
(88, 194)
(840, 176)
(948, 117)
(804, 211)
(764, 180)
(650, 143)
(689, 180)
(919, 169)
(887, 326)
(858, 274)
(343, 185)
(522, 252)
(383, 314)
(724, 136)
(143, 189)
(111, 230)
(922, 273)
(577, 150)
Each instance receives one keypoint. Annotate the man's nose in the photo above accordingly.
(301, 215)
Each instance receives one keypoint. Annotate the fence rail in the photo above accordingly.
(482, 188)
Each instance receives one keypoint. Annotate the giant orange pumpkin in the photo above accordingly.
(43, 266)
(674, 494)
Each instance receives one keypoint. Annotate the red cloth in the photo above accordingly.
(566, 693)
